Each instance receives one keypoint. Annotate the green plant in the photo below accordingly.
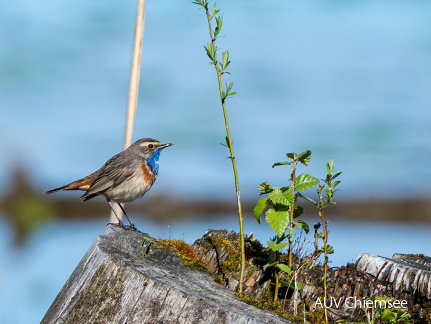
(378, 314)
(282, 212)
(220, 67)
(325, 193)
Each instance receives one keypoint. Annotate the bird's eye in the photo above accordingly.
(150, 145)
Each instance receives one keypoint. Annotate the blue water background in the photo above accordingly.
(346, 79)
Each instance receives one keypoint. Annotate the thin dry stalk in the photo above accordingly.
(133, 87)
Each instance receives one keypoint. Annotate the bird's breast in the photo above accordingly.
(147, 175)
(134, 187)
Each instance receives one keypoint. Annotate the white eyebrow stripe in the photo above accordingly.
(147, 143)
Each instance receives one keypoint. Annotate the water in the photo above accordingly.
(347, 80)
(30, 278)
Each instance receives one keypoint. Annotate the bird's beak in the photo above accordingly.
(162, 146)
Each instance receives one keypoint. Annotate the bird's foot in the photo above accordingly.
(121, 224)
(131, 227)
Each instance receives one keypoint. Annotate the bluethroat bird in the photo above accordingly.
(124, 177)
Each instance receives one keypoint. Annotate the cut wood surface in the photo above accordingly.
(123, 279)
(408, 273)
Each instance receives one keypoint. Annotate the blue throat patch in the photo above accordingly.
(153, 162)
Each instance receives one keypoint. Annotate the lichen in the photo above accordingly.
(185, 252)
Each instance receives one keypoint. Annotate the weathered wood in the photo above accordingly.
(344, 283)
(123, 279)
(402, 273)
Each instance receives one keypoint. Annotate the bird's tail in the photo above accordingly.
(55, 190)
(81, 184)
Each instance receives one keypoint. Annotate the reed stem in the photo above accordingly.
(133, 87)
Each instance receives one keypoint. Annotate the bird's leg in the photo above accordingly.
(120, 223)
(132, 226)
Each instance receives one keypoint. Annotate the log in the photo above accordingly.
(405, 273)
(124, 278)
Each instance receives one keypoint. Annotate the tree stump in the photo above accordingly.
(403, 273)
(123, 278)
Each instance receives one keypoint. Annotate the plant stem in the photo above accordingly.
(292, 185)
(324, 278)
(232, 156)
(316, 247)
(325, 236)
(277, 284)
(325, 265)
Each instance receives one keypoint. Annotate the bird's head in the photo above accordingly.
(148, 147)
(150, 150)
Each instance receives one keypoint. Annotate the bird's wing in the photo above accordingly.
(114, 172)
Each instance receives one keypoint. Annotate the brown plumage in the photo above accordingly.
(124, 177)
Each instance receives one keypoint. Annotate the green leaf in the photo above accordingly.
(291, 284)
(330, 166)
(269, 265)
(329, 249)
(219, 21)
(292, 156)
(328, 192)
(225, 60)
(231, 94)
(281, 163)
(335, 183)
(291, 229)
(327, 180)
(210, 51)
(229, 87)
(225, 57)
(260, 206)
(285, 283)
(336, 175)
(308, 199)
(283, 267)
(225, 67)
(265, 188)
(214, 11)
(227, 141)
(279, 197)
(281, 238)
(277, 220)
(304, 157)
(297, 211)
(199, 2)
(276, 247)
(303, 225)
(305, 182)
(288, 195)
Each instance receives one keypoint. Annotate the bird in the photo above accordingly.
(124, 178)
